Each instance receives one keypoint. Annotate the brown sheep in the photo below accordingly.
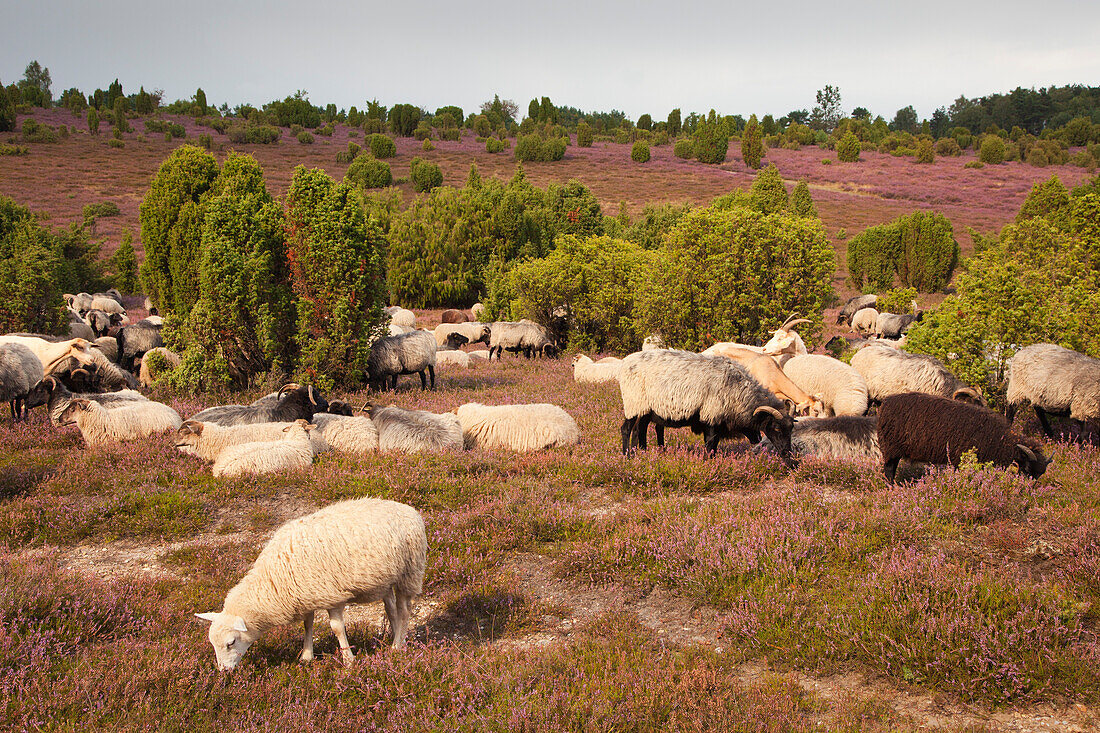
(933, 429)
(454, 316)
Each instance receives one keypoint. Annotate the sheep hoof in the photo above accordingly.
(306, 657)
(348, 656)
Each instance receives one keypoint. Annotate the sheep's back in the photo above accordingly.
(933, 429)
(840, 386)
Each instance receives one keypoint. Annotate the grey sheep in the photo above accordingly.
(933, 429)
(409, 353)
(854, 305)
(136, 339)
(890, 371)
(711, 395)
(20, 370)
(56, 396)
(1055, 381)
(414, 431)
(295, 403)
(847, 438)
(79, 328)
(520, 336)
(892, 325)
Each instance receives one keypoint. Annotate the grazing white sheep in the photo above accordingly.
(109, 346)
(101, 426)
(591, 372)
(410, 353)
(472, 332)
(291, 453)
(522, 428)
(452, 358)
(344, 434)
(413, 431)
(1056, 381)
(839, 386)
(890, 371)
(865, 321)
(848, 438)
(208, 440)
(401, 316)
(357, 551)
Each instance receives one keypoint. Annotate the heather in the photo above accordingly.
(557, 582)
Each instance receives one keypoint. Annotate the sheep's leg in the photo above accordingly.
(890, 468)
(423, 379)
(14, 411)
(307, 643)
(1010, 412)
(390, 602)
(711, 436)
(627, 431)
(642, 428)
(431, 373)
(660, 430)
(393, 382)
(397, 609)
(336, 623)
(1042, 415)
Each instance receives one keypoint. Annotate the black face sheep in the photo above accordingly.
(890, 371)
(20, 371)
(408, 353)
(892, 325)
(56, 396)
(854, 305)
(339, 407)
(847, 438)
(101, 426)
(136, 339)
(473, 333)
(524, 336)
(711, 395)
(295, 403)
(1056, 381)
(933, 429)
(357, 551)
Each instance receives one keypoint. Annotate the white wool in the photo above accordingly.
(587, 371)
(214, 438)
(413, 431)
(50, 353)
(522, 428)
(473, 331)
(101, 426)
(291, 453)
(358, 551)
(840, 386)
(452, 358)
(402, 317)
(344, 434)
(482, 354)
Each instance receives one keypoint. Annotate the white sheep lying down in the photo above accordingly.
(101, 426)
(522, 428)
(344, 434)
(595, 372)
(357, 551)
(207, 440)
(293, 452)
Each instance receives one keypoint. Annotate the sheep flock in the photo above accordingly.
(885, 406)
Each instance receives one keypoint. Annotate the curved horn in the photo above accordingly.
(792, 406)
(769, 410)
(787, 322)
(286, 388)
(789, 325)
(312, 399)
(82, 371)
(51, 379)
(1026, 451)
(965, 392)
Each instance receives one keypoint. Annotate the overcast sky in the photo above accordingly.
(638, 57)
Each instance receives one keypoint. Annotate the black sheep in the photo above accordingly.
(933, 429)
(297, 403)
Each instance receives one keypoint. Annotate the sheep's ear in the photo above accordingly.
(309, 426)
(191, 426)
(792, 408)
(209, 616)
(239, 625)
(81, 404)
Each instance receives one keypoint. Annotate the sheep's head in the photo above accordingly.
(813, 407)
(40, 393)
(786, 340)
(339, 407)
(230, 637)
(970, 395)
(189, 433)
(77, 407)
(1031, 460)
(298, 429)
(777, 426)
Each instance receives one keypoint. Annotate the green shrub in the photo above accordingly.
(7, 111)
(919, 250)
(93, 121)
(767, 194)
(992, 151)
(584, 135)
(171, 228)
(366, 171)
(725, 274)
(1083, 159)
(493, 145)
(427, 146)
(948, 146)
(305, 138)
(639, 153)
(1050, 200)
(973, 164)
(382, 146)
(684, 148)
(404, 119)
(422, 132)
(6, 149)
(752, 144)
(660, 138)
(802, 203)
(123, 266)
(253, 134)
(925, 152)
(1037, 157)
(452, 134)
(91, 212)
(826, 161)
(424, 175)
(337, 271)
(36, 267)
(347, 156)
(897, 301)
(36, 132)
(847, 149)
(115, 143)
(535, 148)
(595, 279)
(711, 140)
(325, 131)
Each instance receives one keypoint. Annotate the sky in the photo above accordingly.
(597, 55)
